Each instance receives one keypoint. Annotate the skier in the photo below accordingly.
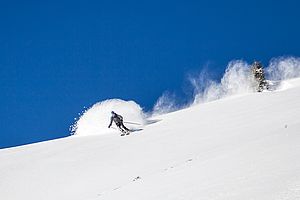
(259, 75)
(118, 119)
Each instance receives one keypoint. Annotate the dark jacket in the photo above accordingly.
(118, 119)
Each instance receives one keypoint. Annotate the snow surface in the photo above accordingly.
(244, 147)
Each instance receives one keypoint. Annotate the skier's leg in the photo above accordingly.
(119, 125)
(124, 127)
(123, 132)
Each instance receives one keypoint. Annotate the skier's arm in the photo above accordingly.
(111, 120)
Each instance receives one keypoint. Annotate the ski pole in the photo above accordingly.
(132, 123)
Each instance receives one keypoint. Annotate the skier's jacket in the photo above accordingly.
(118, 119)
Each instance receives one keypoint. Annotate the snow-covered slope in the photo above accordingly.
(243, 147)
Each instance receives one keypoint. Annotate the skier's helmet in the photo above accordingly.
(113, 113)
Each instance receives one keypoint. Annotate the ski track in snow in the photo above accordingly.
(139, 178)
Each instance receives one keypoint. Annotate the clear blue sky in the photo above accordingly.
(58, 56)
